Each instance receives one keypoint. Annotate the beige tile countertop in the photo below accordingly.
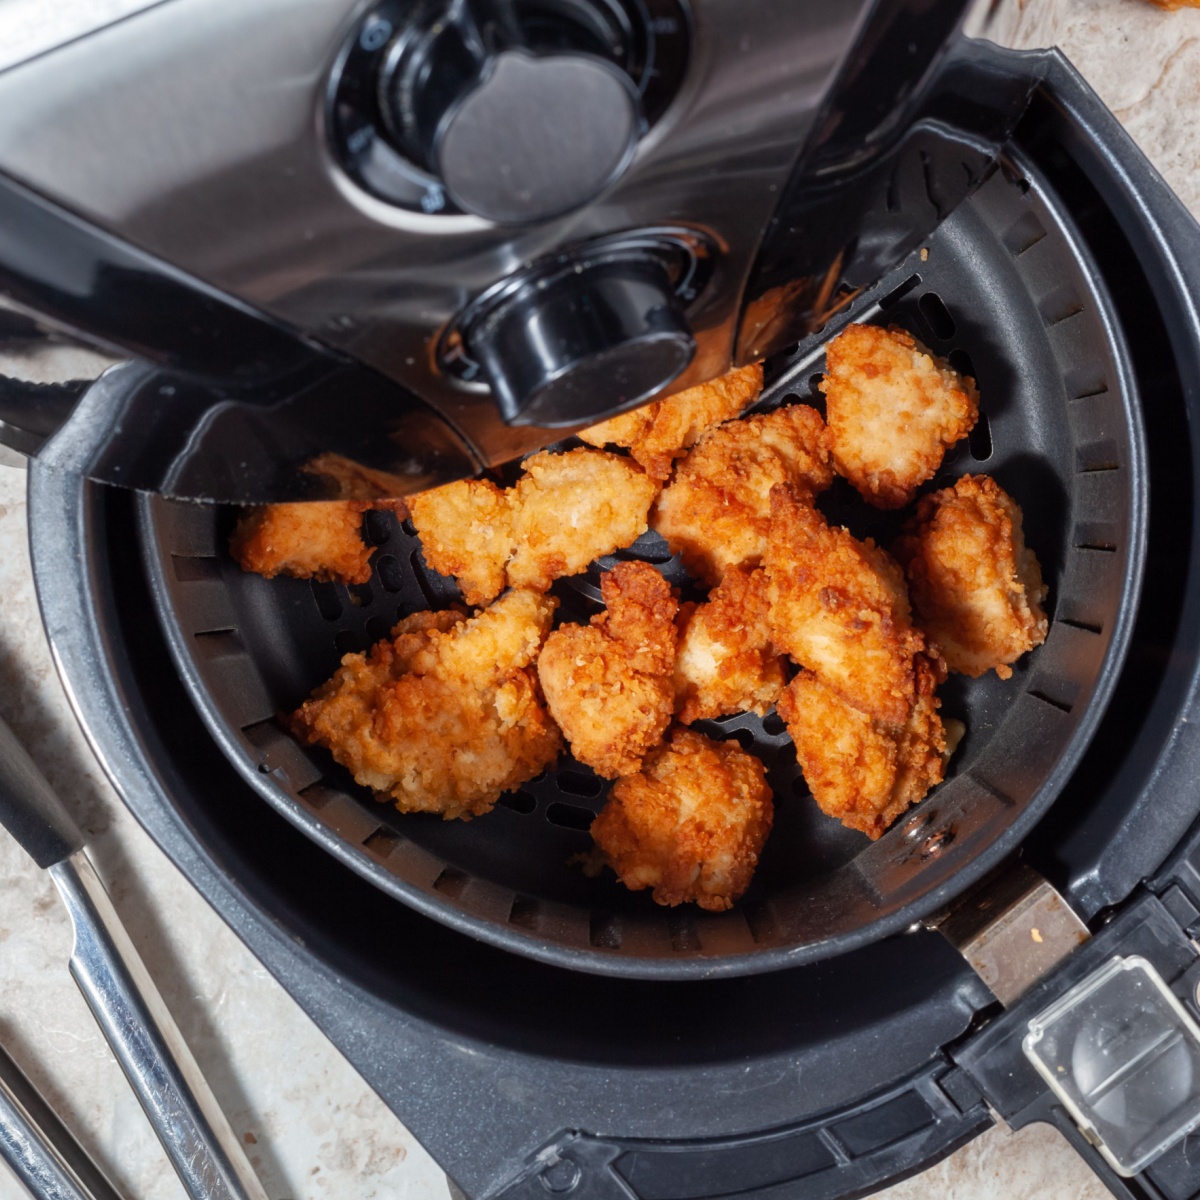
(312, 1127)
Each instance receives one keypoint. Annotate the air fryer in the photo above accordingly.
(539, 1031)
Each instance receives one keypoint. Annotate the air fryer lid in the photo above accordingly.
(1010, 295)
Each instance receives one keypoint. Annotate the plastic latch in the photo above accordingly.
(1123, 1056)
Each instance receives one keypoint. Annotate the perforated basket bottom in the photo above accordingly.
(1007, 296)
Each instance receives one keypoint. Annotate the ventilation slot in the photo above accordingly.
(387, 569)
(518, 802)
(451, 882)
(421, 572)
(378, 628)
(1097, 456)
(898, 293)
(1099, 546)
(1085, 381)
(605, 931)
(1084, 625)
(348, 642)
(196, 570)
(218, 643)
(773, 724)
(960, 360)
(576, 783)
(1023, 234)
(377, 527)
(360, 595)
(570, 816)
(382, 842)
(681, 929)
(743, 737)
(524, 913)
(408, 527)
(1061, 705)
(1059, 304)
(799, 787)
(980, 439)
(937, 316)
(329, 604)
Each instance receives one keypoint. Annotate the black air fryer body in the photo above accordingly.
(833, 1072)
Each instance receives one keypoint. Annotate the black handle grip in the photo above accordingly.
(29, 808)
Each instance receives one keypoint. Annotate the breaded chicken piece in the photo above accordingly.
(691, 824)
(892, 410)
(569, 509)
(318, 539)
(839, 607)
(976, 588)
(717, 510)
(446, 715)
(660, 432)
(725, 663)
(864, 772)
(608, 684)
(466, 531)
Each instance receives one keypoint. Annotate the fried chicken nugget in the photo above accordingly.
(862, 771)
(569, 509)
(691, 824)
(725, 663)
(660, 432)
(976, 588)
(717, 510)
(446, 715)
(318, 539)
(839, 607)
(466, 531)
(893, 410)
(608, 684)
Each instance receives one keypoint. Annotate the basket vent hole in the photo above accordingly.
(605, 931)
(937, 316)
(451, 882)
(980, 439)
(360, 595)
(348, 642)
(899, 292)
(378, 628)
(1085, 381)
(316, 796)
(518, 802)
(1056, 306)
(329, 603)
(1023, 234)
(377, 526)
(387, 568)
(1101, 455)
(773, 724)
(800, 787)
(1061, 705)
(570, 816)
(576, 783)
(743, 737)
(420, 571)
(681, 929)
(960, 360)
(524, 913)
(382, 842)
(196, 570)
(761, 922)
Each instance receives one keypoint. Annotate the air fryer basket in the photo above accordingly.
(1006, 291)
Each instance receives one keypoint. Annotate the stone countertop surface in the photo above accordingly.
(311, 1126)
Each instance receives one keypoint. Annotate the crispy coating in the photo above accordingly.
(565, 511)
(466, 531)
(608, 684)
(864, 772)
(976, 588)
(572, 508)
(725, 663)
(319, 539)
(663, 430)
(717, 510)
(893, 410)
(691, 824)
(446, 715)
(839, 607)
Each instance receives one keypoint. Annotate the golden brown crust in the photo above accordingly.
(976, 588)
(892, 410)
(445, 716)
(569, 509)
(725, 663)
(691, 824)
(608, 684)
(466, 531)
(865, 772)
(839, 607)
(319, 539)
(716, 512)
(660, 432)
